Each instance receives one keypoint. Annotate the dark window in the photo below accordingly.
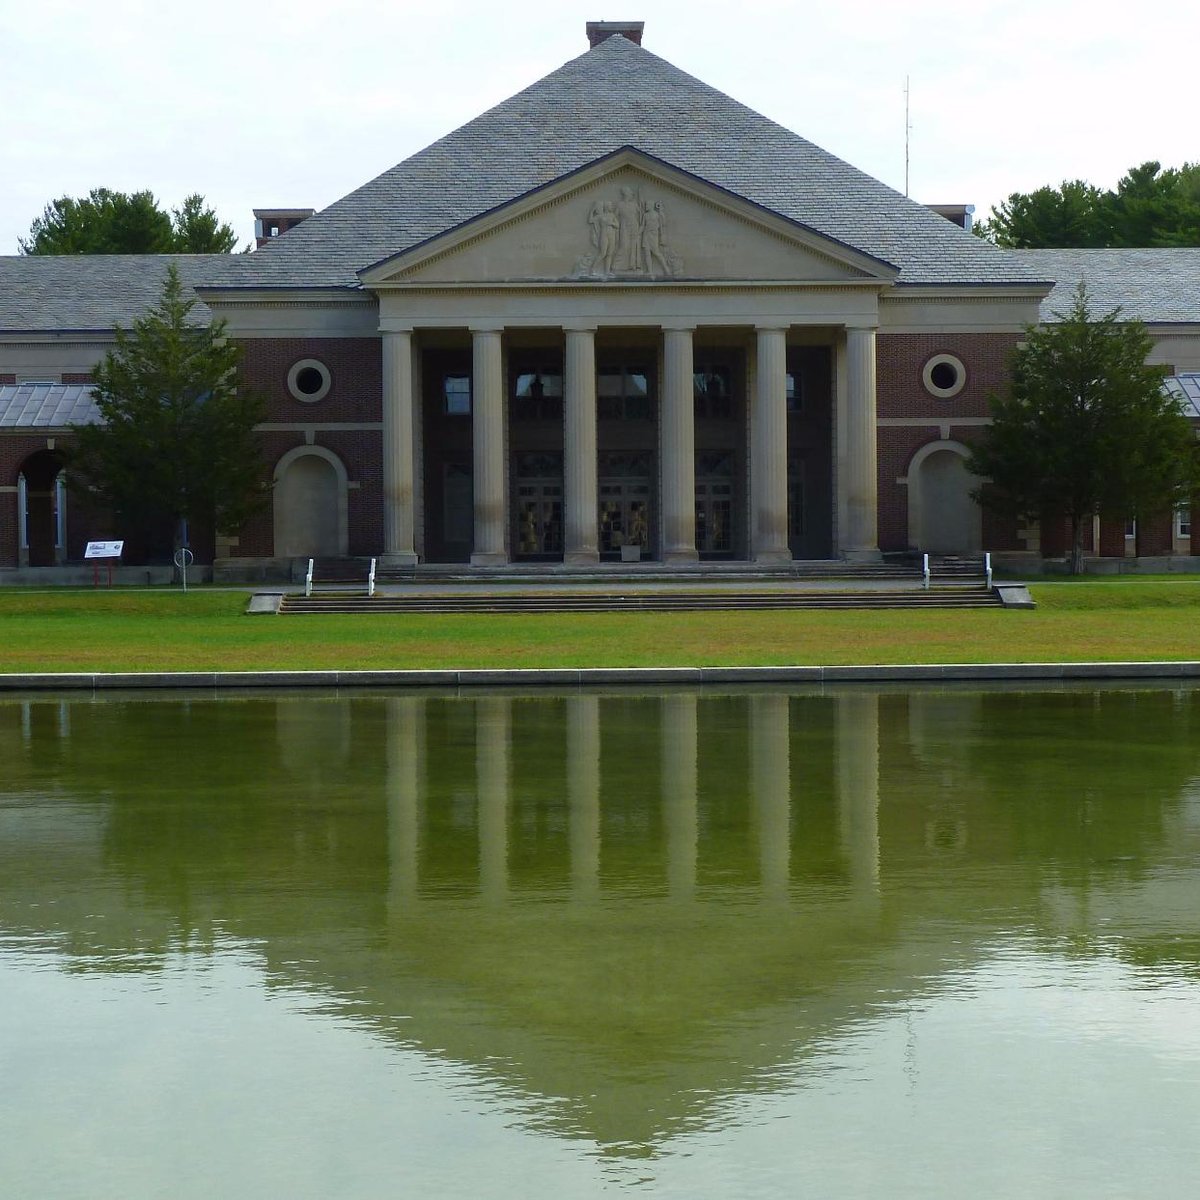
(456, 392)
(309, 381)
(623, 396)
(538, 396)
(944, 376)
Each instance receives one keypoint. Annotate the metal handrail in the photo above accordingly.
(925, 571)
(987, 569)
(371, 580)
(308, 579)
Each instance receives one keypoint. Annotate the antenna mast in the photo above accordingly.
(907, 130)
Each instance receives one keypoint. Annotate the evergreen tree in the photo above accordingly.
(1086, 427)
(1149, 207)
(107, 222)
(177, 442)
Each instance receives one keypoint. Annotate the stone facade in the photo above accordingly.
(643, 337)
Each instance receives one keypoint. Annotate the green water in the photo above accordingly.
(858, 943)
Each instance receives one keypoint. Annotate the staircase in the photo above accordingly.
(708, 587)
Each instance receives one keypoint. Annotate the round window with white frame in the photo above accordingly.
(944, 376)
(309, 380)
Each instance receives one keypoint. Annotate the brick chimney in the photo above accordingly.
(271, 222)
(599, 31)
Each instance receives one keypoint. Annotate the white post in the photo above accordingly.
(487, 434)
(678, 448)
(583, 795)
(60, 517)
(399, 473)
(680, 785)
(862, 540)
(582, 546)
(768, 449)
(22, 513)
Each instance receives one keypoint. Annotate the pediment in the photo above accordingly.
(627, 219)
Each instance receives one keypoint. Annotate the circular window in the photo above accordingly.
(944, 376)
(309, 380)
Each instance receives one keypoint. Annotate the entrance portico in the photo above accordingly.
(577, 444)
(589, 447)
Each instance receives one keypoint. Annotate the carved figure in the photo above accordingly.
(609, 235)
(653, 247)
(629, 232)
(628, 237)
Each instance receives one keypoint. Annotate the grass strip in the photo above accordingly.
(208, 631)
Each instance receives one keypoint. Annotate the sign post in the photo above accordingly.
(183, 559)
(105, 552)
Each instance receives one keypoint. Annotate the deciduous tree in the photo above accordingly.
(1086, 427)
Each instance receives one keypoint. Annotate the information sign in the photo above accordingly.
(104, 550)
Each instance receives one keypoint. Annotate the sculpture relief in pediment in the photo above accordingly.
(628, 237)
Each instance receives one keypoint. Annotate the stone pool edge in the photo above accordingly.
(591, 676)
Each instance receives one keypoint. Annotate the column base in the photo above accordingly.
(581, 558)
(491, 559)
(867, 554)
(773, 556)
(681, 556)
(403, 559)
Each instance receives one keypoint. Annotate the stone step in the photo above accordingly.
(649, 602)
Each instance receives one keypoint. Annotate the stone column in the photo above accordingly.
(405, 735)
(768, 450)
(583, 795)
(582, 545)
(493, 744)
(487, 434)
(858, 786)
(678, 448)
(862, 538)
(771, 791)
(680, 783)
(399, 463)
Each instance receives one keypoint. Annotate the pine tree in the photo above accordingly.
(1086, 428)
(177, 440)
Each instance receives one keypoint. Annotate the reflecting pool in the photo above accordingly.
(828, 943)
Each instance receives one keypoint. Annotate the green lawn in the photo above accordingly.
(206, 630)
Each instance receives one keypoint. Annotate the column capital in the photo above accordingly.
(678, 327)
(771, 328)
(579, 326)
(394, 327)
(487, 327)
(861, 327)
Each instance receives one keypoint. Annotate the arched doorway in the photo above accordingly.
(311, 517)
(943, 518)
(41, 510)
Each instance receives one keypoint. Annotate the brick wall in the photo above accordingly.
(355, 396)
(355, 367)
(901, 357)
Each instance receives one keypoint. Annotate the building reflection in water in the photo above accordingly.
(625, 907)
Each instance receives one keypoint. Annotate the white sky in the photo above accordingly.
(262, 102)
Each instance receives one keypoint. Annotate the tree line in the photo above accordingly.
(1150, 206)
(108, 222)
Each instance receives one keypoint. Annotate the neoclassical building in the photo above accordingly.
(618, 317)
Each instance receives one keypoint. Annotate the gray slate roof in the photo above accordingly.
(46, 405)
(617, 95)
(1149, 285)
(90, 291)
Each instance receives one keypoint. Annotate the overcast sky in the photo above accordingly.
(270, 103)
